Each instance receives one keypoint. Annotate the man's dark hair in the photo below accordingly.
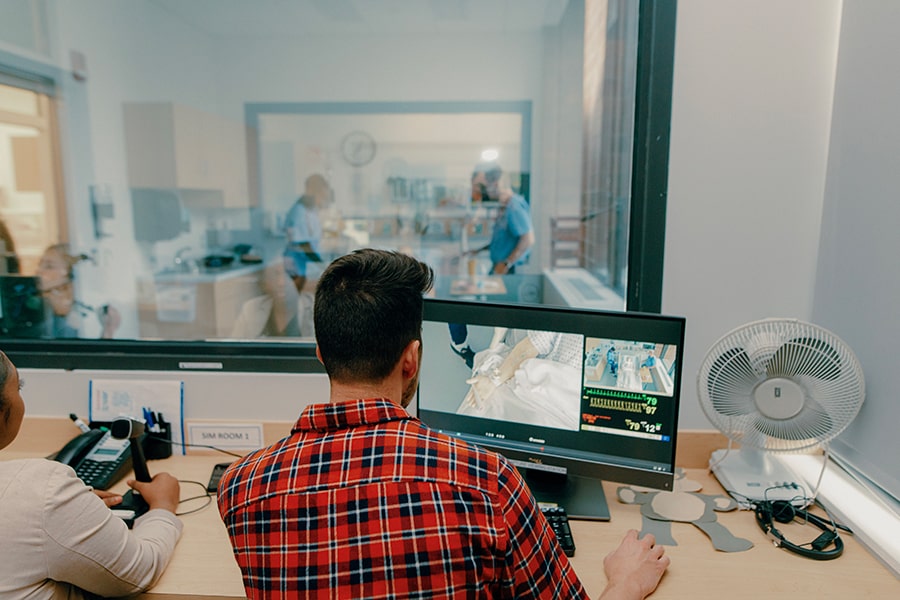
(368, 309)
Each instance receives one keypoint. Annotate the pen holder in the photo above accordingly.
(158, 444)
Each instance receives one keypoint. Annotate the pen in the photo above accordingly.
(148, 417)
(81, 424)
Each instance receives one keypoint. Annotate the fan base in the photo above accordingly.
(750, 475)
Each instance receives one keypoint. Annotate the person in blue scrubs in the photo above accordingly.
(511, 240)
(513, 232)
(303, 229)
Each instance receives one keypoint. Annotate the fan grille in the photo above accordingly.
(804, 357)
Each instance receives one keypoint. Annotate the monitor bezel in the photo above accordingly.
(607, 324)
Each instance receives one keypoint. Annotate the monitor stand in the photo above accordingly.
(581, 497)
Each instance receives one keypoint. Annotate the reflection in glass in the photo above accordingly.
(68, 316)
(206, 122)
(278, 312)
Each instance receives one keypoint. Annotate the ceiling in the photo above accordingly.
(268, 18)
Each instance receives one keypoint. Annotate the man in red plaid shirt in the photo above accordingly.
(364, 501)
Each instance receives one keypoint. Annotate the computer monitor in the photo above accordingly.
(570, 396)
(22, 309)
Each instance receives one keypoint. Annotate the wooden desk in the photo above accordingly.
(698, 571)
(203, 565)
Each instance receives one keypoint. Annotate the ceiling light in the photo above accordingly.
(490, 154)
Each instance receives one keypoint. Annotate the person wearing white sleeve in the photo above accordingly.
(60, 538)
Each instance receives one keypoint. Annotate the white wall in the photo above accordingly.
(858, 283)
(230, 396)
(750, 129)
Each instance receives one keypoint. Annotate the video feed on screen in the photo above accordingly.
(517, 375)
(630, 366)
(542, 378)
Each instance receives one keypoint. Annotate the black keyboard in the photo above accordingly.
(559, 523)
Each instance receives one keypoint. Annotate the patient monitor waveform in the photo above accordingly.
(631, 414)
(626, 402)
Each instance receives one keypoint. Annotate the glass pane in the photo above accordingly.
(400, 179)
(228, 151)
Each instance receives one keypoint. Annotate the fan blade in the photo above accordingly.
(832, 397)
(761, 343)
(806, 356)
(729, 382)
(753, 435)
(804, 430)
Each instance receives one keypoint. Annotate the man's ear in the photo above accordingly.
(410, 359)
(319, 355)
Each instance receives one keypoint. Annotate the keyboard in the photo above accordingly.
(559, 523)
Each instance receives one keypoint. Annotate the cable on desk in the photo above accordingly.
(186, 445)
(206, 495)
(799, 501)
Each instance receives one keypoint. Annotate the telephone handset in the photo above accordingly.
(99, 459)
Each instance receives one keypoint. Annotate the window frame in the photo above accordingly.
(650, 160)
(646, 242)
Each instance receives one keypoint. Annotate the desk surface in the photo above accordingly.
(203, 564)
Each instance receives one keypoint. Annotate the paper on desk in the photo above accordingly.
(111, 398)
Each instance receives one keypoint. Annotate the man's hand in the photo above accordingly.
(500, 268)
(633, 570)
(163, 492)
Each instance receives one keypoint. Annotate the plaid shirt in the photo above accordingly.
(364, 501)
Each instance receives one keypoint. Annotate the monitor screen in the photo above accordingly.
(570, 396)
(22, 308)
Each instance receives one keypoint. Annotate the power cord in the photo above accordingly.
(799, 502)
(186, 445)
(205, 494)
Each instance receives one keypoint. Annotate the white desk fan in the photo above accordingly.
(776, 386)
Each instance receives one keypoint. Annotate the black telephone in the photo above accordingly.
(99, 459)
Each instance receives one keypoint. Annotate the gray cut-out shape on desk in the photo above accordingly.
(683, 505)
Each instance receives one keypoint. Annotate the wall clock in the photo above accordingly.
(358, 148)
